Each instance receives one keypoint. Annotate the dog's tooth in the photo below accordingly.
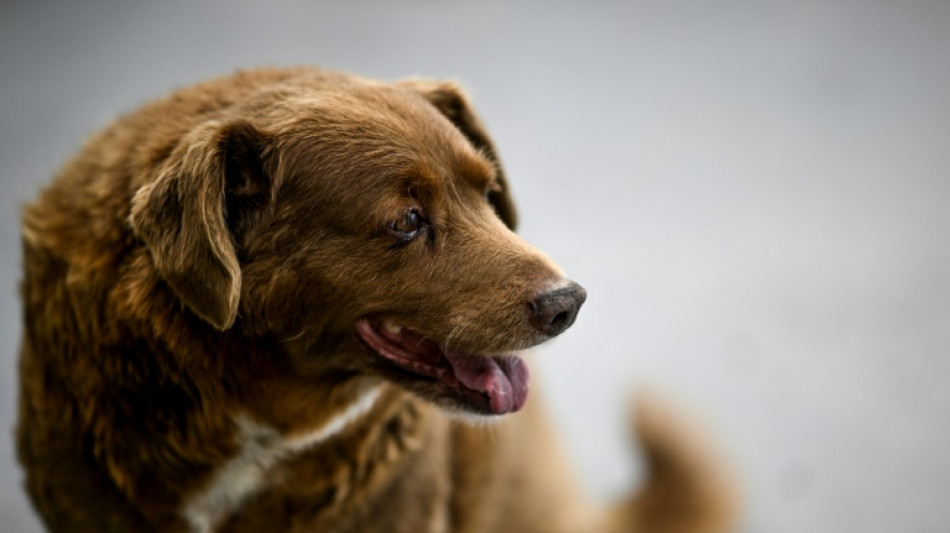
(392, 327)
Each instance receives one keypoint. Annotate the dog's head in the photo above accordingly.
(366, 228)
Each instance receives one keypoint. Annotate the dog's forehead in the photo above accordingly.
(383, 131)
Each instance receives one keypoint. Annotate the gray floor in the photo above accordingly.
(754, 194)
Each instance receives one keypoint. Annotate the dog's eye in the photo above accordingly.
(408, 224)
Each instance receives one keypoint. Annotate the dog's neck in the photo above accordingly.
(269, 464)
(260, 447)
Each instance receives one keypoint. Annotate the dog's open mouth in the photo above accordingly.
(487, 384)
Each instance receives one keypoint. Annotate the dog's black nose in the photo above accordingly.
(554, 311)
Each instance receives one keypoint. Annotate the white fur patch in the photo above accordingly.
(262, 447)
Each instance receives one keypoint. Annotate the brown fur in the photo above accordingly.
(207, 256)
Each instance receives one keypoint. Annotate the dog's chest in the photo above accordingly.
(262, 448)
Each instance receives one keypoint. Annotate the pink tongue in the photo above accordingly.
(503, 379)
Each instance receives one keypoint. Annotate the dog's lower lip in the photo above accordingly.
(490, 384)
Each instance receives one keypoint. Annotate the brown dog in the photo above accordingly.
(251, 305)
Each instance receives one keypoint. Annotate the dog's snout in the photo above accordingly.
(554, 311)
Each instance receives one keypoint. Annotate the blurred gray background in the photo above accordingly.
(754, 194)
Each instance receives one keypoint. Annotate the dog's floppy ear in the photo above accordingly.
(452, 102)
(183, 215)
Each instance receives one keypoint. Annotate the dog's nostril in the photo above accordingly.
(554, 311)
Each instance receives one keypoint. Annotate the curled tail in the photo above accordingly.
(686, 489)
